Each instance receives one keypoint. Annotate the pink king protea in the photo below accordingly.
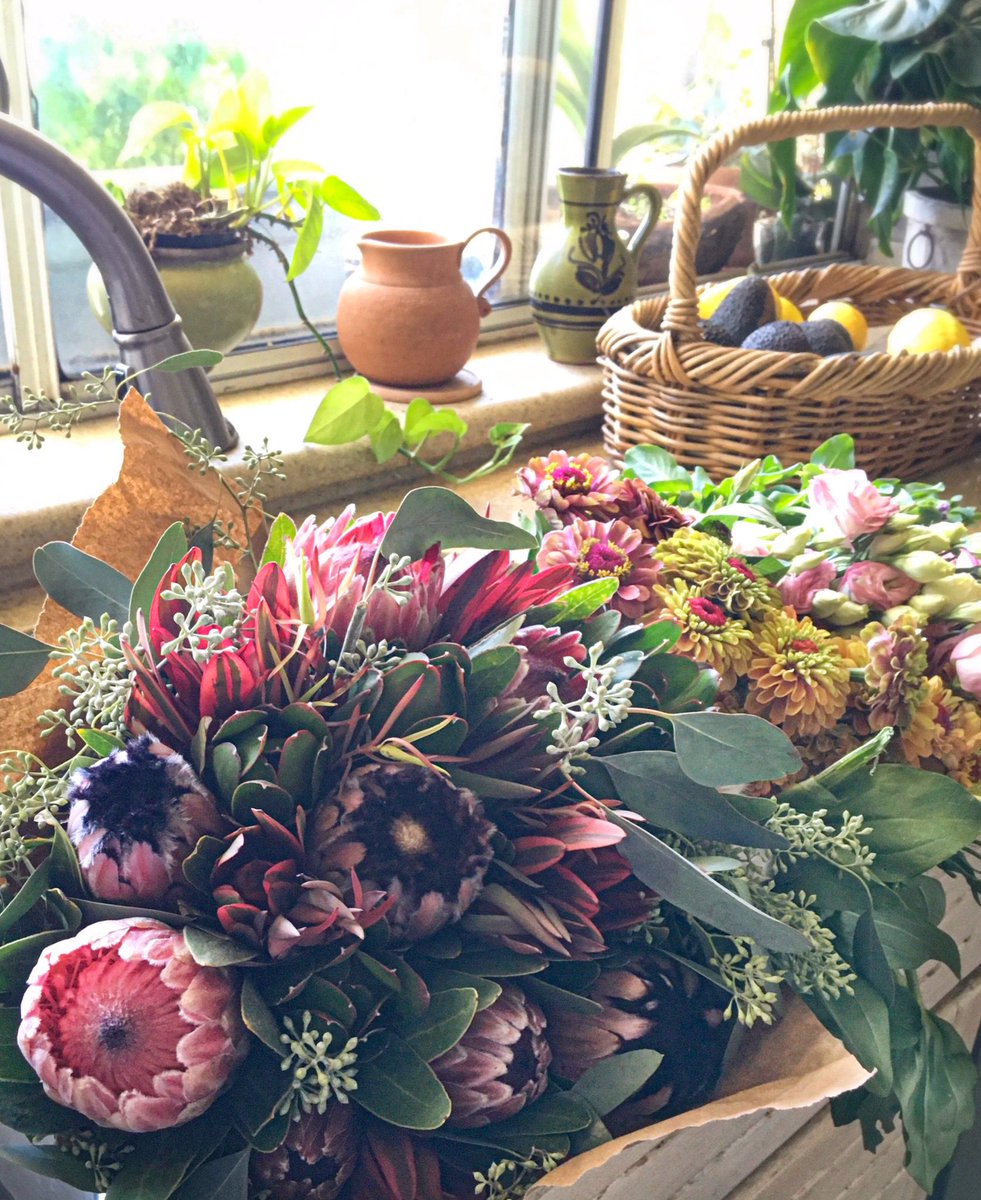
(122, 1025)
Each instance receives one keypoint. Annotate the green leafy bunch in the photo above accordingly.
(882, 51)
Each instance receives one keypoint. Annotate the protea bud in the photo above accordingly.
(653, 1003)
(499, 1065)
(409, 832)
(122, 1025)
(135, 816)
(316, 1160)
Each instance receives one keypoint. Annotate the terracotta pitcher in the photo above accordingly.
(407, 317)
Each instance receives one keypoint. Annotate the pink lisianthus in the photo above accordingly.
(966, 657)
(799, 590)
(604, 550)
(846, 504)
(880, 585)
(122, 1025)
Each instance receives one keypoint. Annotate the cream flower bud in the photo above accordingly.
(960, 588)
(928, 604)
(807, 561)
(966, 612)
(892, 615)
(835, 607)
(899, 521)
(885, 544)
(791, 542)
(926, 537)
(924, 566)
(952, 531)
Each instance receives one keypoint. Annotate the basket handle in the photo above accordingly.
(681, 316)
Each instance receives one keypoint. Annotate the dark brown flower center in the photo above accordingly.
(115, 1033)
(602, 560)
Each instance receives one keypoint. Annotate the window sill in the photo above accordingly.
(47, 491)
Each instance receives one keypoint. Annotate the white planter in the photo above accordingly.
(936, 231)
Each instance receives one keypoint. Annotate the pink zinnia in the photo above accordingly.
(580, 484)
(605, 550)
(846, 504)
(122, 1025)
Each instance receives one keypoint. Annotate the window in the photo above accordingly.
(447, 116)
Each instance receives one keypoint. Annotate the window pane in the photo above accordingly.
(408, 108)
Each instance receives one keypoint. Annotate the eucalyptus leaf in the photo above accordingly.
(22, 659)
(613, 1080)
(224, 1178)
(399, 1087)
(935, 1085)
(30, 893)
(723, 749)
(85, 585)
(681, 883)
(431, 515)
(917, 818)
(442, 1025)
(652, 783)
(170, 549)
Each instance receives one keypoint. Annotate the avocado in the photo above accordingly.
(827, 337)
(778, 335)
(749, 305)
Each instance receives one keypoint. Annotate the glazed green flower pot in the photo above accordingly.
(215, 289)
(588, 270)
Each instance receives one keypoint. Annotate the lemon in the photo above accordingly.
(927, 329)
(847, 315)
(787, 310)
(712, 297)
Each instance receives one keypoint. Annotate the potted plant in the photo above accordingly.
(235, 191)
(888, 51)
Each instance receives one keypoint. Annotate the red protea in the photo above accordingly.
(122, 1025)
(409, 832)
(267, 897)
(482, 594)
(135, 816)
(499, 1065)
(315, 1161)
(565, 884)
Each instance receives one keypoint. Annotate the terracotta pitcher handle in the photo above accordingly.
(495, 271)
(643, 231)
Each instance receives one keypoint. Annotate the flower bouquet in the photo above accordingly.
(402, 857)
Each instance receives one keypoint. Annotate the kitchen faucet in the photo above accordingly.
(145, 326)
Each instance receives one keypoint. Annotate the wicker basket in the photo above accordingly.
(717, 407)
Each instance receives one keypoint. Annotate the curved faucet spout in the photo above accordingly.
(145, 326)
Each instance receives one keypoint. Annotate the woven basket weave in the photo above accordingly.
(718, 407)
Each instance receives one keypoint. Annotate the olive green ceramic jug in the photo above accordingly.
(589, 270)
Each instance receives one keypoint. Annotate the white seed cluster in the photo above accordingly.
(603, 705)
(318, 1075)
(95, 676)
(217, 610)
(510, 1179)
